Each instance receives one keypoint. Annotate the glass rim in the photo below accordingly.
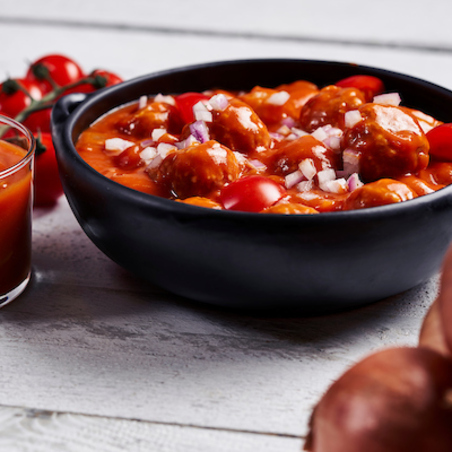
(31, 146)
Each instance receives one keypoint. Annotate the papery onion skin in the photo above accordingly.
(396, 400)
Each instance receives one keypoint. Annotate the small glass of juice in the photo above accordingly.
(17, 147)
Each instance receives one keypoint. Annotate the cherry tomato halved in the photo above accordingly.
(185, 104)
(60, 68)
(13, 100)
(369, 85)
(440, 140)
(47, 184)
(251, 194)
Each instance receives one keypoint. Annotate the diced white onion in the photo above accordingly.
(293, 179)
(165, 99)
(279, 98)
(335, 186)
(388, 99)
(147, 154)
(154, 163)
(319, 134)
(283, 130)
(308, 169)
(325, 176)
(305, 185)
(219, 102)
(289, 122)
(334, 143)
(142, 102)
(352, 118)
(117, 145)
(201, 113)
(157, 134)
(164, 148)
(354, 182)
(350, 162)
(189, 141)
(298, 132)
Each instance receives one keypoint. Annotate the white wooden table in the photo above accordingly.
(91, 358)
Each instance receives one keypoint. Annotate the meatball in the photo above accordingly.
(329, 107)
(156, 115)
(239, 128)
(272, 111)
(198, 170)
(379, 193)
(388, 142)
(290, 208)
(288, 157)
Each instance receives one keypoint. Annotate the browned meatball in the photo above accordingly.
(379, 193)
(388, 141)
(156, 115)
(198, 170)
(287, 158)
(329, 107)
(239, 128)
(290, 208)
(260, 100)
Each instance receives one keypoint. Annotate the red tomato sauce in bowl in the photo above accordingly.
(292, 149)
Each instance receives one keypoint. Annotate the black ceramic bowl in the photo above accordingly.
(323, 262)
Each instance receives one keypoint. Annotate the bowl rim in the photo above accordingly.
(145, 199)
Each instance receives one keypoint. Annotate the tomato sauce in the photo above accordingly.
(293, 149)
(15, 218)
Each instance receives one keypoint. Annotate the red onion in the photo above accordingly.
(352, 118)
(388, 99)
(200, 131)
(397, 400)
(279, 98)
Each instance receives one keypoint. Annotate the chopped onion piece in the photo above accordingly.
(241, 158)
(334, 143)
(201, 112)
(388, 99)
(325, 176)
(142, 102)
(189, 141)
(335, 186)
(307, 195)
(298, 132)
(116, 145)
(279, 98)
(257, 164)
(276, 136)
(352, 118)
(350, 161)
(354, 182)
(319, 134)
(307, 167)
(200, 131)
(155, 163)
(147, 154)
(283, 130)
(165, 99)
(219, 102)
(164, 148)
(289, 122)
(293, 178)
(305, 185)
(157, 134)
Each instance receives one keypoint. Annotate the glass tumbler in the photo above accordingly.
(17, 148)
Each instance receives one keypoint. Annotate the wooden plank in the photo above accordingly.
(22, 430)
(387, 23)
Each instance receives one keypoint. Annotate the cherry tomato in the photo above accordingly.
(39, 121)
(440, 140)
(61, 69)
(102, 78)
(185, 104)
(47, 182)
(251, 194)
(13, 100)
(369, 85)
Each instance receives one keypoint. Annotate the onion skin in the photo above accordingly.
(396, 400)
(445, 299)
(432, 332)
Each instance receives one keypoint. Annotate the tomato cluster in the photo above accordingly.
(30, 99)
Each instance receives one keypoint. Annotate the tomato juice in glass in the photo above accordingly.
(17, 147)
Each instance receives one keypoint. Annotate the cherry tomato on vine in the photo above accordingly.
(102, 79)
(60, 68)
(185, 103)
(47, 182)
(13, 100)
(369, 85)
(251, 194)
(38, 121)
(440, 140)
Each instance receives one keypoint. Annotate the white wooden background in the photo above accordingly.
(92, 359)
